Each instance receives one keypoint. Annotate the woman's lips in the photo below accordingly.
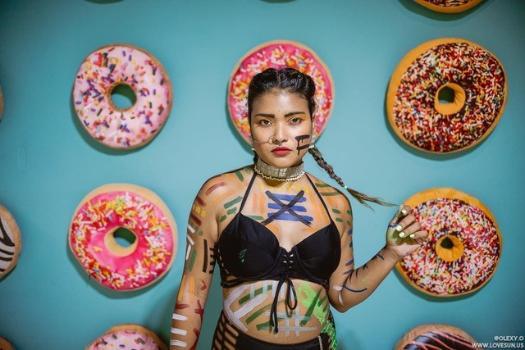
(281, 151)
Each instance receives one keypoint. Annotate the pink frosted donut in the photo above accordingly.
(279, 54)
(128, 337)
(107, 68)
(144, 214)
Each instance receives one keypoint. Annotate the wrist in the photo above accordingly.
(391, 254)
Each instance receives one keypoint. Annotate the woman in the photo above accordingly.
(282, 237)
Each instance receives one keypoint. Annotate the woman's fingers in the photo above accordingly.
(419, 236)
(408, 231)
(403, 211)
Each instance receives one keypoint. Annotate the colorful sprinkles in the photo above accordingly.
(473, 68)
(477, 232)
(108, 211)
(279, 54)
(103, 70)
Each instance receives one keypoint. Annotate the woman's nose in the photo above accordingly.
(279, 134)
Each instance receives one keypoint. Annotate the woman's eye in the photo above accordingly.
(296, 120)
(264, 122)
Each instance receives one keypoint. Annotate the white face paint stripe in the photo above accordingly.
(179, 331)
(178, 343)
(190, 227)
(178, 317)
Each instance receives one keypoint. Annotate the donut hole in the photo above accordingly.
(122, 97)
(449, 99)
(121, 241)
(446, 95)
(124, 237)
(449, 247)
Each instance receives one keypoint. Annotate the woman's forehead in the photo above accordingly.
(280, 100)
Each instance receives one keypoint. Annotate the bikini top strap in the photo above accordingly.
(247, 192)
(319, 195)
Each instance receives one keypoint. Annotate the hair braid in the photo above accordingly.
(361, 197)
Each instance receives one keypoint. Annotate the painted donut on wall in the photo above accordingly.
(117, 65)
(446, 95)
(436, 336)
(10, 242)
(464, 247)
(449, 6)
(144, 216)
(279, 54)
(128, 337)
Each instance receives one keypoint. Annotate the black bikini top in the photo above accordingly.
(249, 251)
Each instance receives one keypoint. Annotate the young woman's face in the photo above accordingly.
(281, 128)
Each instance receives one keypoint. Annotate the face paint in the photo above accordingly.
(300, 142)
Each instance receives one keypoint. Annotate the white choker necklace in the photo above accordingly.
(271, 172)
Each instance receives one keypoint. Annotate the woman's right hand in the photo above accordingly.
(404, 234)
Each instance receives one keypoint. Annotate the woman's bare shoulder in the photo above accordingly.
(224, 185)
(333, 197)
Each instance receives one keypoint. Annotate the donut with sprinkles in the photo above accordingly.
(449, 6)
(128, 337)
(436, 336)
(446, 96)
(108, 68)
(144, 216)
(10, 242)
(279, 54)
(463, 249)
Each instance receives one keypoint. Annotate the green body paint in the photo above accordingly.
(316, 306)
(239, 175)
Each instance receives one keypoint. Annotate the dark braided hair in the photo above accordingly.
(293, 81)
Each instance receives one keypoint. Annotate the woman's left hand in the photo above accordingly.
(404, 234)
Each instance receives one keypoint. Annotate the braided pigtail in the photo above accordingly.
(361, 197)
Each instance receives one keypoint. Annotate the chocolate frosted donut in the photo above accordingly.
(465, 74)
(436, 336)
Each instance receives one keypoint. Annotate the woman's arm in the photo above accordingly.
(201, 236)
(350, 286)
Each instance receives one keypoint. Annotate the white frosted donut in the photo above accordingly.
(109, 208)
(10, 242)
(128, 337)
(111, 66)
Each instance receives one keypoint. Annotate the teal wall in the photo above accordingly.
(48, 164)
